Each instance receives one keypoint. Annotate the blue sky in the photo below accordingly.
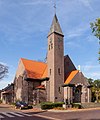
(24, 25)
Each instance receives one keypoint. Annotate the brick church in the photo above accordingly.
(56, 80)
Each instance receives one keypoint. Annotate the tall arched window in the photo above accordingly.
(59, 71)
(50, 71)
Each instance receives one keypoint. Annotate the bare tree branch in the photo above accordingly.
(3, 71)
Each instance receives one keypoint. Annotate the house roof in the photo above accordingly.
(71, 76)
(9, 87)
(7, 92)
(34, 69)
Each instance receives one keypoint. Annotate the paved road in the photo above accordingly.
(82, 115)
(9, 113)
(19, 116)
(6, 113)
(76, 115)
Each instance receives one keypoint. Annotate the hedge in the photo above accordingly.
(76, 105)
(49, 105)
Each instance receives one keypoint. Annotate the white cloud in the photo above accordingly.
(3, 63)
(90, 67)
(36, 2)
(87, 4)
(94, 75)
(4, 83)
(71, 35)
(72, 44)
(91, 70)
(77, 32)
(90, 38)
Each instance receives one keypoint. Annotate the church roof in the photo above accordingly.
(76, 77)
(45, 74)
(34, 69)
(38, 70)
(55, 27)
(71, 76)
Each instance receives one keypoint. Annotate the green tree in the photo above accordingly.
(95, 89)
(93, 95)
(90, 81)
(95, 26)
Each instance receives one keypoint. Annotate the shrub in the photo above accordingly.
(59, 108)
(76, 105)
(13, 103)
(49, 105)
(30, 106)
(17, 100)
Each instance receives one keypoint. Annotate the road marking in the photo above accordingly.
(51, 118)
(8, 115)
(1, 116)
(13, 114)
(24, 114)
(16, 114)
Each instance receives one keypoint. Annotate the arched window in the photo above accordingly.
(59, 89)
(50, 71)
(49, 47)
(59, 71)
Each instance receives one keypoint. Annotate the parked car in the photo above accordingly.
(21, 105)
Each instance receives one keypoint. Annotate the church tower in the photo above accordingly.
(55, 62)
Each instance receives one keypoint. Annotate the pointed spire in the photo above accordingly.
(55, 27)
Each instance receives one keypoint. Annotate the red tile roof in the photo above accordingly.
(38, 70)
(45, 74)
(71, 76)
(34, 69)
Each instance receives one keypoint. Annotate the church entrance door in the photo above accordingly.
(77, 94)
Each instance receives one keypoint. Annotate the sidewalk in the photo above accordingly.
(74, 110)
(52, 110)
(12, 107)
(6, 105)
(34, 109)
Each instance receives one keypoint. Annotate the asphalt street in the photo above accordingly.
(19, 116)
(75, 115)
(24, 118)
(7, 113)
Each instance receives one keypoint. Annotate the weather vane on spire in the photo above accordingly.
(55, 6)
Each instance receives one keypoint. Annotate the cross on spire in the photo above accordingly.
(55, 6)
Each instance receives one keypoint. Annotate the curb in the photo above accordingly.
(77, 110)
